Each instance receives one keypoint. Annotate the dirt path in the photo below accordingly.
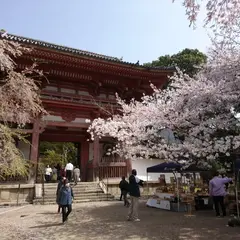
(107, 221)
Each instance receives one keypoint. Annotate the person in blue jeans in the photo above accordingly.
(65, 200)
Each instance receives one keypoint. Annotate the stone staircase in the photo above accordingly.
(83, 192)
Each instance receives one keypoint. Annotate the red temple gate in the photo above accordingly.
(79, 85)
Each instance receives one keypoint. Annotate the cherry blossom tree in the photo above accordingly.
(222, 19)
(20, 103)
(219, 13)
(193, 119)
(196, 118)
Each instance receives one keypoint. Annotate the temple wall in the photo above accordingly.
(13, 194)
(25, 149)
(51, 88)
(83, 93)
(79, 120)
(59, 119)
(141, 166)
(103, 95)
(67, 90)
(112, 97)
(53, 118)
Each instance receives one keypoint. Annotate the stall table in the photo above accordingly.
(203, 202)
(161, 201)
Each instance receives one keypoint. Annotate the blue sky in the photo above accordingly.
(133, 29)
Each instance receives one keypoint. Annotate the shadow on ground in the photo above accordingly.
(108, 221)
(47, 225)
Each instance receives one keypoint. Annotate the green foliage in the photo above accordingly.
(53, 153)
(20, 103)
(52, 158)
(188, 60)
(12, 163)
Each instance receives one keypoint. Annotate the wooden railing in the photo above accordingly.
(85, 100)
(108, 167)
(112, 172)
(112, 159)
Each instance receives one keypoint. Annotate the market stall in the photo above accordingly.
(163, 199)
(179, 195)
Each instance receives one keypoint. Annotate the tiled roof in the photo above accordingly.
(75, 51)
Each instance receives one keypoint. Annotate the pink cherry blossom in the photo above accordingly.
(198, 109)
(219, 13)
(20, 104)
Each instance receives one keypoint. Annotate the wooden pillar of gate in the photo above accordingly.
(96, 158)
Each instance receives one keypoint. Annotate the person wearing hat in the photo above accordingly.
(65, 200)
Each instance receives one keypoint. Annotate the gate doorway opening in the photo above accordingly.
(53, 153)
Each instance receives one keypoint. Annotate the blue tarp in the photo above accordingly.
(164, 167)
(237, 164)
(167, 167)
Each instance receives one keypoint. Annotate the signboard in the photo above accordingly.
(158, 203)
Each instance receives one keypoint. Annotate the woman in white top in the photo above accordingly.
(48, 173)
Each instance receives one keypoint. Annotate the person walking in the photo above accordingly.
(123, 185)
(217, 192)
(76, 174)
(66, 198)
(60, 184)
(58, 167)
(69, 171)
(134, 192)
(62, 172)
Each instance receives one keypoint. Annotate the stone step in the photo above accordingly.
(78, 194)
(72, 184)
(81, 186)
(83, 192)
(81, 195)
(75, 189)
(93, 197)
(77, 200)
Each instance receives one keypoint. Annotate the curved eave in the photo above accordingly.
(84, 54)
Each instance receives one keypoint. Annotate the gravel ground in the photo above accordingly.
(107, 221)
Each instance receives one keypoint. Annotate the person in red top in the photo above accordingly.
(62, 172)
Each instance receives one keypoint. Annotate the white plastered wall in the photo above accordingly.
(141, 166)
(25, 149)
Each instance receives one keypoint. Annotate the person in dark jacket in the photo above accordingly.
(66, 197)
(123, 185)
(58, 167)
(134, 192)
(60, 184)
